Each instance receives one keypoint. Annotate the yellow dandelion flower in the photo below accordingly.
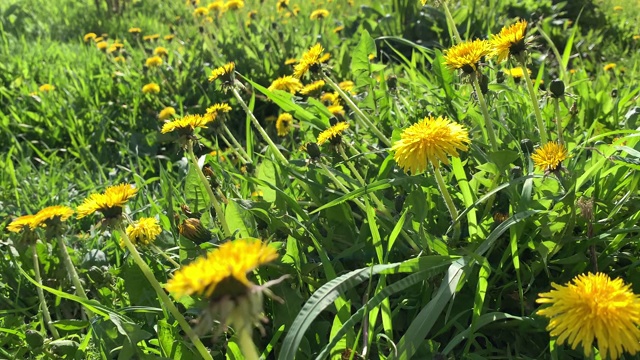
(201, 11)
(252, 15)
(224, 71)
(215, 109)
(223, 271)
(187, 124)
(319, 14)
(109, 203)
(119, 59)
(53, 213)
(549, 157)
(594, 308)
(153, 61)
(423, 2)
(89, 36)
(151, 88)
(636, 37)
(336, 109)
(291, 61)
(169, 37)
(160, 51)
(24, 222)
(45, 88)
(98, 39)
(135, 30)
(313, 88)
(286, 83)
(324, 58)
(102, 45)
(166, 113)
(517, 72)
(333, 134)
(346, 85)
(309, 60)
(429, 141)
(117, 45)
(282, 5)
(467, 55)
(283, 124)
(270, 118)
(618, 8)
(609, 66)
(330, 98)
(216, 6)
(338, 29)
(143, 232)
(509, 41)
(151, 37)
(295, 10)
(111, 49)
(234, 5)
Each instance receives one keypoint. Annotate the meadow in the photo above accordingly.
(285, 179)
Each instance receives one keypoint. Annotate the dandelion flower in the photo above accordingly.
(282, 5)
(119, 59)
(89, 36)
(309, 60)
(24, 222)
(336, 109)
(45, 88)
(333, 134)
(516, 73)
(169, 37)
(153, 61)
(201, 11)
(53, 213)
(234, 5)
(467, 55)
(135, 30)
(223, 271)
(636, 37)
(283, 124)
(160, 51)
(98, 39)
(102, 45)
(187, 124)
(618, 8)
(549, 157)
(319, 14)
(143, 232)
(346, 85)
(609, 66)
(224, 71)
(291, 61)
(330, 98)
(193, 230)
(151, 37)
(510, 40)
(215, 109)
(151, 88)
(109, 203)
(429, 141)
(324, 58)
(166, 113)
(338, 29)
(314, 87)
(216, 6)
(423, 2)
(286, 83)
(594, 308)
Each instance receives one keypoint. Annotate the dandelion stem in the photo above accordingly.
(72, 273)
(534, 98)
(451, 23)
(556, 104)
(360, 115)
(448, 201)
(164, 255)
(247, 158)
(246, 344)
(43, 305)
(163, 295)
(488, 124)
(256, 123)
(212, 196)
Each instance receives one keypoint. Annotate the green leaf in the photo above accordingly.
(70, 325)
(360, 57)
(240, 220)
(267, 173)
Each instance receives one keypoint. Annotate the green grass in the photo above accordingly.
(376, 267)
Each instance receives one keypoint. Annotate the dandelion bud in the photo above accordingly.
(526, 145)
(500, 77)
(614, 93)
(484, 84)
(193, 230)
(557, 88)
(313, 150)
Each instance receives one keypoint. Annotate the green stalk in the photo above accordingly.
(43, 305)
(451, 23)
(232, 147)
(236, 143)
(534, 98)
(72, 273)
(212, 196)
(256, 123)
(556, 104)
(368, 124)
(247, 346)
(488, 124)
(165, 256)
(448, 201)
(146, 271)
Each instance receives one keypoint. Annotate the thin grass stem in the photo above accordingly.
(448, 201)
(66, 259)
(43, 304)
(534, 98)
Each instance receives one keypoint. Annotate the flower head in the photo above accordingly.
(509, 41)
(46, 88)
(309, 60)
(53, 213)
(594, 307)
(187, 124)
(143, 232)
(135, 30)
(282, 5)
(151, 37)
(166, 113)
(291, 61)
(549, 157)
(192, 229)
(234, 5)
(109, 203)
(313, 88)
(618, 8)
(516, 73)
(286, 83)
(169, 37)
(336, 109)
(319, 14)
(151, 88)
(24, 222)
(224, 72)
(89, 36)
(338, 29)
(347, 86)
(216, 6)
(102, 45)
(467, 55)
(215, 109)
(153, 61)
(201, 11)
(223, 272)
(429, 141)
(283, 124)
(333, 134)
(160, 51)
(609, 66)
